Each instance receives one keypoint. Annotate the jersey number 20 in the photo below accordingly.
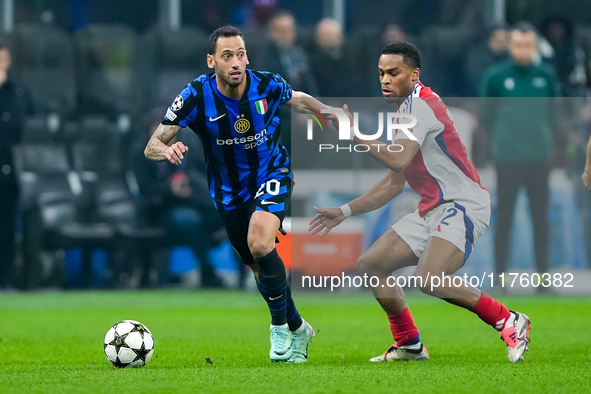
(272, 187)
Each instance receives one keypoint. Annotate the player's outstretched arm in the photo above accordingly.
(587, 173)
(395, 159)
(380, 194)
(158, 149)
(303, 101)
(385, 190)
(300, 101)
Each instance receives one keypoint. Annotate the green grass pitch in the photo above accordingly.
(52, 343)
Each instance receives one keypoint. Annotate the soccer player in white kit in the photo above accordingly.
(454, 211)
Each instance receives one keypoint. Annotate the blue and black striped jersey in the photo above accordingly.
(240, 137)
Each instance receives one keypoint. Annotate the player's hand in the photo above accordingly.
(348, 113)
(586, 177)
(325, 220)
(332, 118)
(176, 152)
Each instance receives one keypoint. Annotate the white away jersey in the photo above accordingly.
(440, 171)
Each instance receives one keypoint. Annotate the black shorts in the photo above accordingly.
(273, 196)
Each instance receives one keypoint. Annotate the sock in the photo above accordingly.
(294, 320)
(300, 329)
(491, 311)
(403, 328)
(272, 284)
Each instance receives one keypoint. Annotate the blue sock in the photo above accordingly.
(294, 320)
(272, 284)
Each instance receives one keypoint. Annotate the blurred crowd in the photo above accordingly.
(457, 40)
(66, 76)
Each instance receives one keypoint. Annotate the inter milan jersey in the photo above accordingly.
(240, 137)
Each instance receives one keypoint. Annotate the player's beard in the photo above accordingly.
(227, 80)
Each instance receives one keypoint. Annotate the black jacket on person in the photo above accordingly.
(293, 64)
(15, 105)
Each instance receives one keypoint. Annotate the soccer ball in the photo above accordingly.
(129, 344)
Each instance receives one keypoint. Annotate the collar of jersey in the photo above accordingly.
(415, 93)
(214, 86)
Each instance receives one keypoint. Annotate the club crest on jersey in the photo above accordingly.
(177, 103)
(261, 106)
(242, 125)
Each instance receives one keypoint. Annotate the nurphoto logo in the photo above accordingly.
(394, 121)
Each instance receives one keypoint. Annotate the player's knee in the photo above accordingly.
(424, 287)
(423, 279)
(367, 265)
(260, 249)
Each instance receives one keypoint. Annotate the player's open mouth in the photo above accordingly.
(387, 92)
(235, 74)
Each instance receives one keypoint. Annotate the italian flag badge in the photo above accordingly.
(261, 106)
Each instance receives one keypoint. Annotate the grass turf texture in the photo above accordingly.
(52, 342)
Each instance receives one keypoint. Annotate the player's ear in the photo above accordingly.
(416, 73)
(210, 61)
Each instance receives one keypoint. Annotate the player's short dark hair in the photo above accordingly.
(410, 53)
(224, 31)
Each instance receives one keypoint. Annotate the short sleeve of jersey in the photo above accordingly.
(183, 110)
(285, 89)
(426, 121)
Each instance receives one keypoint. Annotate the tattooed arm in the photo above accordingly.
(158, 149)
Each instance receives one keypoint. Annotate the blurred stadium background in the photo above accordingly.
(97, 71)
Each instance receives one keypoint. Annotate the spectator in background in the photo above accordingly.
(565, 52)
(483, 55)
(391, 33)
(368, 43)
(337, 71)
(251, 14)
(178, 199)
(285, 58)
(15, 104)
(517, 111)
(263, 11)
(282, 56)
(452, 28)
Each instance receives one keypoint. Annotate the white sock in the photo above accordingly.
(301, 328)
(416, 346)
(280, 326)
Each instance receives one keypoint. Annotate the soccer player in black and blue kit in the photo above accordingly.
(235, 113)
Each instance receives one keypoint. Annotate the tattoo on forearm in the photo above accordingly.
(158, 143)
(166, 133)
